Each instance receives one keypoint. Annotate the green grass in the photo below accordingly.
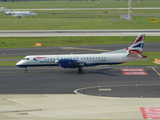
(78, 4)
(22, 42)
(8, 63)
(78, 20)
(11, 57)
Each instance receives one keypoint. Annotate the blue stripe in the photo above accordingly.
(24, 66)
(139, 45)
(87, 65)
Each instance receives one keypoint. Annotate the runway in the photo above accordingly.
(56, 80)
(101, 92)
(64, 77)
(45, 33)
(138, 8)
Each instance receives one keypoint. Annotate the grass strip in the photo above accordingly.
(78, 4)
(24, 42)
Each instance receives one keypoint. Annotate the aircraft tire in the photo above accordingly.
(80, 70)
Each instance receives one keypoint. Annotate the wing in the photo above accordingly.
(18, 15)
(70, 63)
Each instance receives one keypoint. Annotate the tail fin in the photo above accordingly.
(137, 46)
(6, 11)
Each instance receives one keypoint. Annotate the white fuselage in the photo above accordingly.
(89, 59)
(24, 13)
(131, 53)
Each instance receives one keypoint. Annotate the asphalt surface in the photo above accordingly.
(56, 80)
(148, 47)
(90, 8)
(51, 92)
(38, 33)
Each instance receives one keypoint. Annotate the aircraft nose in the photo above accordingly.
(18, 63)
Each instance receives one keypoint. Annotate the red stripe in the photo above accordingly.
(39, 57)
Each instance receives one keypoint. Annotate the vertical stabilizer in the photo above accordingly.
(5, 10)
(137, 45)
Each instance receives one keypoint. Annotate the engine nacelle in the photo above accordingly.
(68, 63)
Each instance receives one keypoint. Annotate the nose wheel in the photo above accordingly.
(79, 70)
(26, 70)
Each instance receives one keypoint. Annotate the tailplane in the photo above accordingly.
(136, 47)
(5, 10)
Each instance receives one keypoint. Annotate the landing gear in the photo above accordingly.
(19, 17)
(26, 70)
(79, 69)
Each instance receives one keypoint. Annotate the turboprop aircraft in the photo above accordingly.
(131, 53)
(18, 14)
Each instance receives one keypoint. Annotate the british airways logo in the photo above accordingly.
(38, 58)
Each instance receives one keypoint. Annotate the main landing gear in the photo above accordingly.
(26, 70)
(79, 69)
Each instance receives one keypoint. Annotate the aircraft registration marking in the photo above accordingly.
(151, 113)
(134, 72)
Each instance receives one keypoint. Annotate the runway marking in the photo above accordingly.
(156, 71)
(76, 91)
(151, 113)
(104, 89)
(134, 72)
(71, 48)
(28, 110)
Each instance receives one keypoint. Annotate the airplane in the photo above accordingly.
(18, 14)
(131, 53)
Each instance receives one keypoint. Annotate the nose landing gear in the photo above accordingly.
(79, 70)
(25, 70)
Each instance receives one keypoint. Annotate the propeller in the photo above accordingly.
(57, 61)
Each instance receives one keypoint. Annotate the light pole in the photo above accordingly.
(130, 10)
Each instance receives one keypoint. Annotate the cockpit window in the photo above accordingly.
(25, 59)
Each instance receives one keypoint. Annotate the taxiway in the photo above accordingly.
(101, 92)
